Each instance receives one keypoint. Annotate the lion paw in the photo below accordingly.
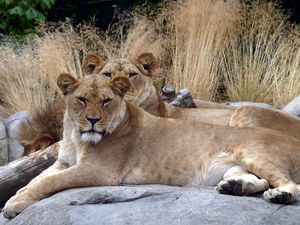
(16, 205)
(231, 187)
(277, 196)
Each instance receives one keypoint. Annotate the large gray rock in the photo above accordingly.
(153, 204)
(293, 107)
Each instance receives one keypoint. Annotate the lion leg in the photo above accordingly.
(237, 181)
(284, 188)
(56, 167)
(73, 177)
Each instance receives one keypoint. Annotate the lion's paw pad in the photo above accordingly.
(277, 196)
(231, 187)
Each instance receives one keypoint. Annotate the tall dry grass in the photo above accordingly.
(286, 81)
(28, 71)
(198, 32)
(261, 62)
(251, 51)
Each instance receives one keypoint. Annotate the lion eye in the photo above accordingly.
(106, 101)
(132, 75)
(107, 75)
(81, 100)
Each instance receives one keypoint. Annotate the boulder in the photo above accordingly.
(293, 107)
(153, 204)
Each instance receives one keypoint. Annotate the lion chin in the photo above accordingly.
(91, 137)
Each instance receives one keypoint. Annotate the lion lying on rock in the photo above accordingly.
(46, 127)
(109, 141)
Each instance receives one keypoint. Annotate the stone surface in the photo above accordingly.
(14, 122)
(17, 116)
(258, 104)
(15, 149)
(10, 148)
(3, 152)
(153, 204)
(3, 145)
(182, 98)
(168, 93)
(293, 107)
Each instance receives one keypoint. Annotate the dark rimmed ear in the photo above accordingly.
(90, 62)
(148, 62)
(66, 83)
(121, 85)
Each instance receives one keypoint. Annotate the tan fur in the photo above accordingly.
(143, 94)
(138, 148)
(251, 116)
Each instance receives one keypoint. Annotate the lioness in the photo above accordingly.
(46, 127)
(109, 141)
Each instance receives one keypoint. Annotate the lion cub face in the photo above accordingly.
(137, 71)
(94, 105)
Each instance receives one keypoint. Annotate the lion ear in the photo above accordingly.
(66, 83)
(148, 61)
(90, 62)
(121, 85)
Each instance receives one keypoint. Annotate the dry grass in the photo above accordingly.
(261, 62)
(198, 32)
(286, 81)
(28, 71)
(202, 45)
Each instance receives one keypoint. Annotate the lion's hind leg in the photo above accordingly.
(275, 170)
(237, 181)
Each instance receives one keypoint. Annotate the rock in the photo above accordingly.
(16, 150)
(258, 104)
(3, 145)
(168, 93)
(17, 116)
(10, 148)
(153, 204)
(14, 122)
(293, 107)
(183, 99)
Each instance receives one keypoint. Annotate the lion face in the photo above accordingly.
(138, 71)
(94, 105)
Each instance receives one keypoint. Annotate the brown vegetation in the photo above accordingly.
(214, 48)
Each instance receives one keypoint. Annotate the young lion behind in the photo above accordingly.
(108, 141)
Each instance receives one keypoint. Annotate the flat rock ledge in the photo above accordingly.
(153, 204)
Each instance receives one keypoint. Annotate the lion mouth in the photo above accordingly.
(92, 131)
(92, 136)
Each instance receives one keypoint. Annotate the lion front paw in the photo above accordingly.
(16, 205)
(231, 187)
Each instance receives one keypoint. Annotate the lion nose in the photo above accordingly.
(93, 120)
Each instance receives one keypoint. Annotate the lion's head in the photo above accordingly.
(94, 105)
(139, 71)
